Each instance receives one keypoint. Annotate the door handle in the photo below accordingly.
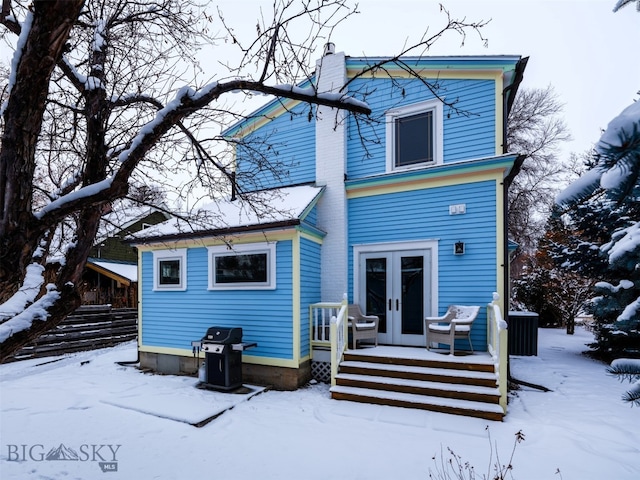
(397, 304)
(390, 308)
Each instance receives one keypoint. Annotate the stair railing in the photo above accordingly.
(339, 338)
(497, 344)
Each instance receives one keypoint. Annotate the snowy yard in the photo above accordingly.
(96, 416)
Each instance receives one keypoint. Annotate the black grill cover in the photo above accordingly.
(223, 335)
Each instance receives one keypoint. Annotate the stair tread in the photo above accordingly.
(451, 387)
(422, 370)
(400, 354)
(419, 399)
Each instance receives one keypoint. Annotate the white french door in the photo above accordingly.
(396, 286)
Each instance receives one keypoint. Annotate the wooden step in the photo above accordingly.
(420, 387)
(468, 408)
(427, 374)
(399, 357)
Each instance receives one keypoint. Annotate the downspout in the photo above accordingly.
(508, 97)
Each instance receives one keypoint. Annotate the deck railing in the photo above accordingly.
(329, 330)
(497, 344)
(339, 339)
(320, 315)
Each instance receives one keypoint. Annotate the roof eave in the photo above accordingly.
(217, 232)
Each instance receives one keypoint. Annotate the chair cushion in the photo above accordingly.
(439, 328)
(445, 328)
(365, 325)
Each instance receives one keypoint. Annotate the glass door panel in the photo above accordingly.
(395, 287)
(412, 294)
(376, 290)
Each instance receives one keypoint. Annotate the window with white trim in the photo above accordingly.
(170, 269)
(243, 267)
(414, 136)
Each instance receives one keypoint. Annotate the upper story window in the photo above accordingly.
(170, 269)
(248, 267)
(414, 136)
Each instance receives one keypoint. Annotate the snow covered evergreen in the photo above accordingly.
(611, 190)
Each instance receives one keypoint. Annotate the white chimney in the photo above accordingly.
(331, 150)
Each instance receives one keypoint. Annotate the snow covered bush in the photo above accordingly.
(628, 369)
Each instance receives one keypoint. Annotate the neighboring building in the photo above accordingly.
(406, 216)
(111, 274)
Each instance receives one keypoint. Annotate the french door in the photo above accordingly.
(395, 286)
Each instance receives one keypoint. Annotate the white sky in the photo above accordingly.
(585, 51)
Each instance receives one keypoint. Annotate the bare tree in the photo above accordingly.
(105, 93)
(535, 129)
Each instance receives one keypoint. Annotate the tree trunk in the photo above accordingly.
(20, 232)
(571, 326)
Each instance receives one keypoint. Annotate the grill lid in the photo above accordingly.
(223, 335)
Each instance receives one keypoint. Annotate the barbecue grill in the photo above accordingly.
(223, 349)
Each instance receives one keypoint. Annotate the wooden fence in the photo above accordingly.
(88, 328)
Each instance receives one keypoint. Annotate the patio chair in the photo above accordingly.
(363, 327)
(454, 325)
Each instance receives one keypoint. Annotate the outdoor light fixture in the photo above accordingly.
(458, 248)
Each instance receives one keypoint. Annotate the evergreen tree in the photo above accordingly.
(608, 221)
(628, 369)
(549, 285)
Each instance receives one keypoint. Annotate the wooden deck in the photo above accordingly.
(415, 377)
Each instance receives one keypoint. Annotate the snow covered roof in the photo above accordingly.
(122, 217)
(262, 210)
(120, 271)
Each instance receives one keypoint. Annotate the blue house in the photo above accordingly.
(404, 213)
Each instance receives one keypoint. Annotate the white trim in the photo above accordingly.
(427, 244)
(250, 248)
(179, 254)
(392, 115)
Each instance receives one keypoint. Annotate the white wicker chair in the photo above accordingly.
(363, 327)
(454, 325)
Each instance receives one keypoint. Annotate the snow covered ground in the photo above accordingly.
(102, 420)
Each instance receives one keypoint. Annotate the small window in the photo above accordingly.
(414, 136)
(169, 272)
(250, 266)
(169, 269)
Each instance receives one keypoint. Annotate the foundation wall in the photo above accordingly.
(279, 378)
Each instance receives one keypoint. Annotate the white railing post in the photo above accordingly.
(339, 338)
(497, 344)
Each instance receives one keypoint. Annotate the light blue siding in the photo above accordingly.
(174, 319)
(468, 279)
(467, 135)
(312, 216)
(287, 143)
(309, 288)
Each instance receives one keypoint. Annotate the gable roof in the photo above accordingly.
(121, 218)
(122, 272)
(263, 210)
(511, 66)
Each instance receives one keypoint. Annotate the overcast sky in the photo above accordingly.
(590, 55)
